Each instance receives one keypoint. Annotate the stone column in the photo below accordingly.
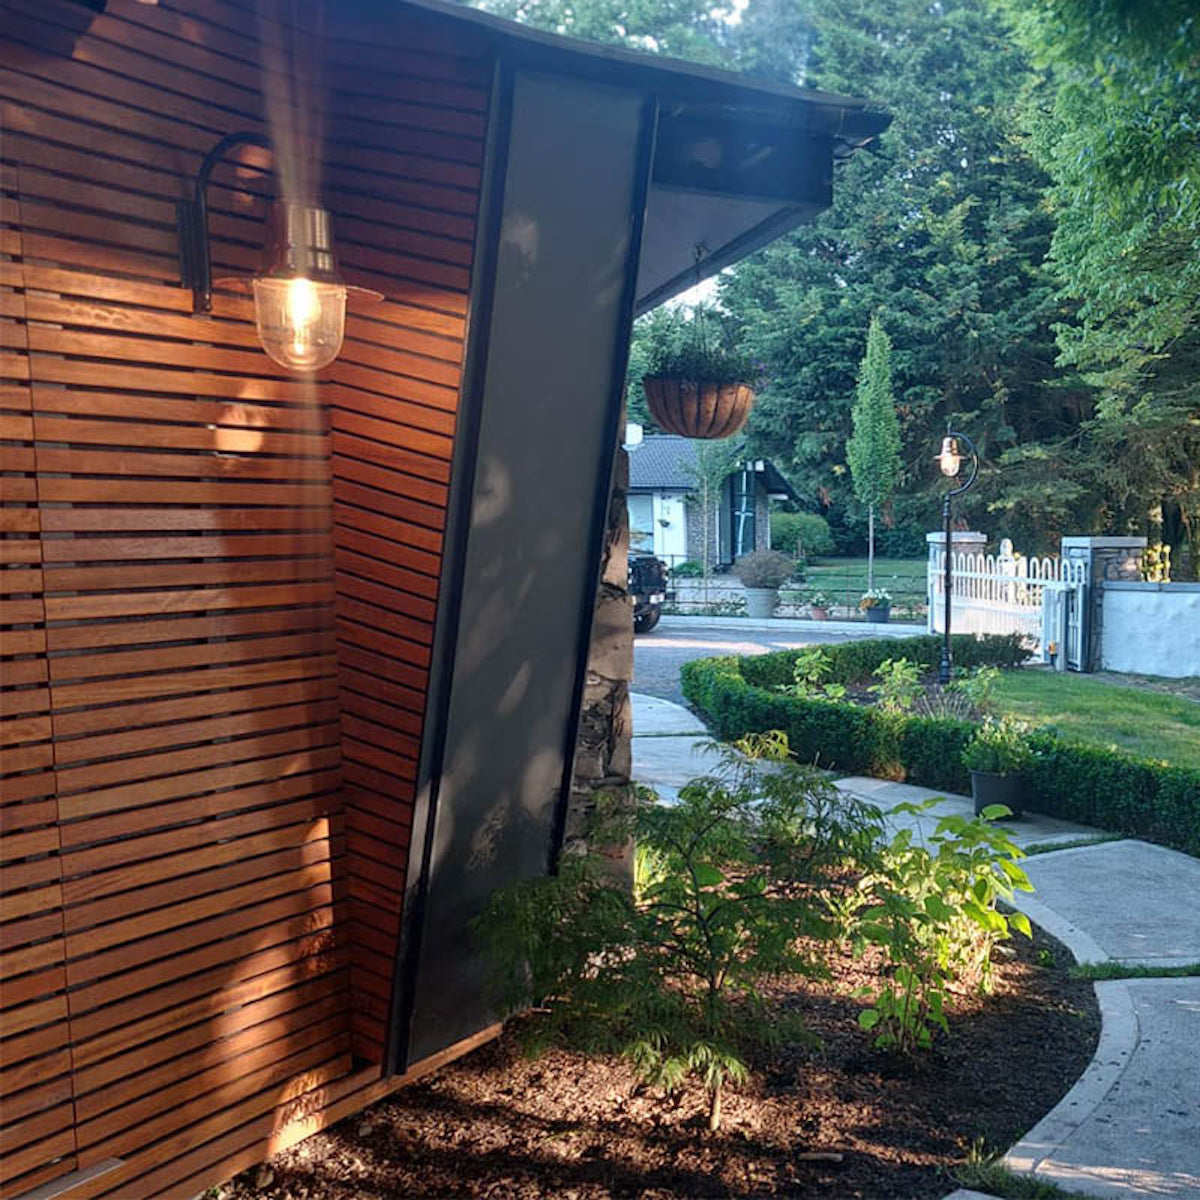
(1118, 559)
(603, 753)
(962, 541)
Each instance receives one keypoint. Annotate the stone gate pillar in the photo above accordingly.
(962, 541)
(1117, 559)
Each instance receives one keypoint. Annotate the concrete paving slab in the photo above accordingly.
(653, 717)
(966, 1194)
(1139, 904)
(668, 746)
(1031, 829)
(1128, 1128)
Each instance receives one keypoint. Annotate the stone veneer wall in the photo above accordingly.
(603, 752)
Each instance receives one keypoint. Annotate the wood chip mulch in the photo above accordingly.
(498, 1125)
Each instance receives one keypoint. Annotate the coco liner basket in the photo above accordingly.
(698, 409)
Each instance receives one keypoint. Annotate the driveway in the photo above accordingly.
(658, 656)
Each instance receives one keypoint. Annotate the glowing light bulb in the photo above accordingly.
(949, 460)
(301, 322)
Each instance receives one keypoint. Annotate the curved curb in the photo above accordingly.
(1118, 1040)
(1082, 945)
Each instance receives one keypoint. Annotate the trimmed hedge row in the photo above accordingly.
(1110, 789)
(855, 661)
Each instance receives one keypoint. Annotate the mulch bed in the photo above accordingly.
(495, 1124)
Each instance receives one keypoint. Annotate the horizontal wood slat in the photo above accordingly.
(217, 585)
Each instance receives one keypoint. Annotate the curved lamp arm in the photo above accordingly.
(195, 261)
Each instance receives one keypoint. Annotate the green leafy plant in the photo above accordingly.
(979, 688)
(764, 569)
(728, 881)
(698, 347)
(875, 598)
(687, 570)
(932, 909)
(808, 675)
(1000, 747)
(801, 533)
(899, 685)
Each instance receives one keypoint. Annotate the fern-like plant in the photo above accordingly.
(729, 890)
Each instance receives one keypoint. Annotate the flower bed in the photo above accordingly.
(1116, 791)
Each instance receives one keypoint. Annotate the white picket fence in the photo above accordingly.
(1004, 593)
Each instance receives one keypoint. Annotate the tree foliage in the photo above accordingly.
(1116, 124)
(1028, 229)
(873, 451)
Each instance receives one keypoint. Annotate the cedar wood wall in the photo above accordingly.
(219, 587)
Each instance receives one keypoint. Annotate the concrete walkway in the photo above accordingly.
(1130, 1127)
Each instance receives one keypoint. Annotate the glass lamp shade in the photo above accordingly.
(949, 459)
(301, 322)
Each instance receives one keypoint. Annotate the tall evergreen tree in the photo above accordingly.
(873, 452)
(1114, 122)
(943, 232)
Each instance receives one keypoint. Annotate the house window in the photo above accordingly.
(741, 513)
(641, 524)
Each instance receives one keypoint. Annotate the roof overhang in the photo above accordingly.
(738, 161)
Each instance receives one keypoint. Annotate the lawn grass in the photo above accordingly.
(1148, 723)
(1113, 970)
(844, 580)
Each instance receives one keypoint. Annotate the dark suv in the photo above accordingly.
(648, 588)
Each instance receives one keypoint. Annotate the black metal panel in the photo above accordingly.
(561, 306)
(454, 552)
(745, 159)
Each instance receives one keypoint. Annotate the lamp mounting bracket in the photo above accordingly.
(195, 258)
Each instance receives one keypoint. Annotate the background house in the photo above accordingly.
(667, 512)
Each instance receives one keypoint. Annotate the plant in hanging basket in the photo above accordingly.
(697, 384)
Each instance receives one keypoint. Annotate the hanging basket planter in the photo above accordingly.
(698, 409)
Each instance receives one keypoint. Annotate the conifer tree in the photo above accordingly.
(873, 452)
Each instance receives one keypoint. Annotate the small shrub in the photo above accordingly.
(978, 686)
(802, 533)
(727, 882)
(933, 912)
(764, 569)
(688, 570)
(1000, 746)
(899, 685)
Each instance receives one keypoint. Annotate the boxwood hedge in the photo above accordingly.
(1111, 789)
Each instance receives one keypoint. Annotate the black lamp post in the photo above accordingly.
(950, 461)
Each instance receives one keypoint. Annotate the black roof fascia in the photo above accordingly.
(712, 90)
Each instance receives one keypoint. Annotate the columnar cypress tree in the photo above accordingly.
(873, 452)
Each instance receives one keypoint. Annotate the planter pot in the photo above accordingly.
(696, 409)
(819, 614)
(987, 787)
(879, 614)
(760, 602)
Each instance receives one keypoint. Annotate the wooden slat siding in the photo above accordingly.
(37, 1134)
(224, 679)
(393, 403)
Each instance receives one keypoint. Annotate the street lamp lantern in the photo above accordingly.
(950, 460)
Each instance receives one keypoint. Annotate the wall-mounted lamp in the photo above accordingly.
(299, 298)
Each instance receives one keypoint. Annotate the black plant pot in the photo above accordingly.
(987, 787)
(879, 614)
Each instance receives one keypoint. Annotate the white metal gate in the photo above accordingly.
(1041, 598)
